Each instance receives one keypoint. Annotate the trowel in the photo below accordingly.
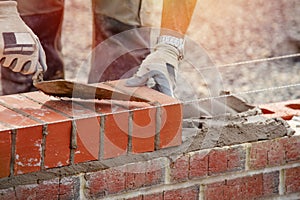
(71, 89)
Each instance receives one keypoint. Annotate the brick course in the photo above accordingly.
(41, 132)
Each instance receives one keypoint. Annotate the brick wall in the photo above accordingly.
(266, 169)
(57, 149)
(39, 132)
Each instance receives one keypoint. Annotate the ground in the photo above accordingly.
(231, 32)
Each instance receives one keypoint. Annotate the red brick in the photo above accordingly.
(268, 153)
(180, 169)
(96, 184)
(250, 187)
(7, 194)
(5, 153)
(199, 164)
(274, 152)
(259, 155)
(115, 135)
(171, 129)
(57, 151)
(127, 177)
(292, 180)
(28, 140)
(154, 171)
(134, 180)
(116, 127)
(28, 149)
(88, 139)
(154, 176)
(87, 146)
(236, 158)
(115, 181)
(217, 161)
(143, 130)
(100, 184)
(291, 148)
(270, 183)
(143, 174)
(215, 191)
(226, 160)
(171, 126)
(69, 188)
(285, 110)
(43, 191)
(182, 193)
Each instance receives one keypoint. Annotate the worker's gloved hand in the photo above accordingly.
(160, 66)
(20, 48)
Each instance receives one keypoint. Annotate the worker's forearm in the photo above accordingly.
(176, 16)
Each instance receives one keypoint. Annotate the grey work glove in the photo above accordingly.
(160, 66)
(20, 48)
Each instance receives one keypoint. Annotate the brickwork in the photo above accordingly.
(44, 140)
(190, 176)
(40, 132)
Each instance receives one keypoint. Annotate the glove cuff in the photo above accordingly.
(8, 8)
(178, 43)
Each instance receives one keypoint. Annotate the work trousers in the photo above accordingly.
(110, 17)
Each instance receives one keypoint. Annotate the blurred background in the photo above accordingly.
(252, 46)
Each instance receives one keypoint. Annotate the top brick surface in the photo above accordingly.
(285, 110)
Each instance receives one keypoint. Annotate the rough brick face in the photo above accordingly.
(124, 178)
(291, 147)
(180, 169)
(69, 188)
(199, 164)
(45, 190)
(292, 180)
(270, 183)
(8, 194)
(66, 188)
(274, 152)
(269, 153)
(210, 162)
(217, 161)
(249, 187)
(191, 193)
